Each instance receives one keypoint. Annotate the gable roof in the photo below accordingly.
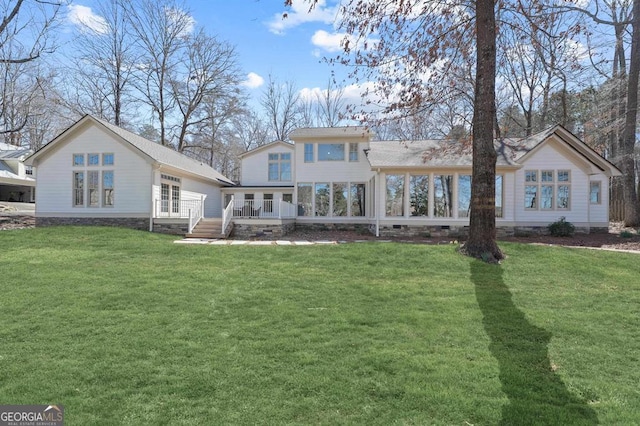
(265, 146)
(445, 153)
(158, 153)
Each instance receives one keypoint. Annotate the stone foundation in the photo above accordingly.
(364, 228)
(138, 223)
(171, 227)
(250, 230)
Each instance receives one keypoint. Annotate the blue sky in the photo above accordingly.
(289, 49)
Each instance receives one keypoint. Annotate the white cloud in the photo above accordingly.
(299, 13)
(253, 81)
(87, 21)
(328, 42)
(181, 18)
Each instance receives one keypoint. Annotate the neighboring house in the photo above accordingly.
(16, 179)
(97, 173)
(328, 178)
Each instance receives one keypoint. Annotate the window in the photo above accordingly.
(305, 199)
(93, 188)
(419, 195)
(595, 191)
(308, 153)
(531, 189)
(323, 197)
(175, 199)
(28, 170)
(280, 167)
(93, 159)
(78, 159)
(442, 195)
(395, 195)
(268, 203)
(331, 152)
(78, 188)
(552, 191)
(499, 211)
(357, 195)
(287, 198)
(164, 197)
(353, 151)
(464, 195)
(107, 188)
(107, 159)
(340, 199)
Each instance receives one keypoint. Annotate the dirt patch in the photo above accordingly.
(16, 222)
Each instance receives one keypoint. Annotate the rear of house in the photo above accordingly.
(97, 173)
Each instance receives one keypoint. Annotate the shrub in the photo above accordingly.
(561, 228)
(626, 234)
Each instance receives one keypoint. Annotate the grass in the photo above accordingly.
(124, 327)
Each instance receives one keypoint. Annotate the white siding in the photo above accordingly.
(255, 167)
(132, 177)
(553, 156)
(333, 171)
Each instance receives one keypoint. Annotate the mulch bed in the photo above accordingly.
(611, 240)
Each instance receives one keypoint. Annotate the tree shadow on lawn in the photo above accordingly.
(537, 395)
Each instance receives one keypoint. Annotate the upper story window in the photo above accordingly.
(308, 153)
(353, 151)
(93, 159)
(28, 170)
(331, 152)
(78, 159)
(280, 166)
(107, 159)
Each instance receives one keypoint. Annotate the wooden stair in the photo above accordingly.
(209, 229)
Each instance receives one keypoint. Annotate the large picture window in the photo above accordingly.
(443, 195)
(305, 199)
(395, 195)
(322, 198)
(419, 195)
(331, 152)
(340, 199)
(357, 196)
(464, 195)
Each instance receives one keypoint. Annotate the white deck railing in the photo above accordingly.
(263, 209)
(193, 210)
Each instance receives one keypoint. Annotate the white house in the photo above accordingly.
(327, 178)
(97, 173)
(341, 178)
(16, 179)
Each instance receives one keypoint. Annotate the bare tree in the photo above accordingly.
(210, 71)
(105, 62)
(26, 32)
(281, 103)
(161, 29)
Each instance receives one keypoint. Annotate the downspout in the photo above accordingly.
(377, 205)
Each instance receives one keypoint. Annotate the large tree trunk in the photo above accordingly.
(482, 230)
(627, 145)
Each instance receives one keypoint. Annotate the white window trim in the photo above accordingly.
(599, 183)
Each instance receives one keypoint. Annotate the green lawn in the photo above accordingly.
(125, 327)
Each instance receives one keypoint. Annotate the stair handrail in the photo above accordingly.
(227, 215)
